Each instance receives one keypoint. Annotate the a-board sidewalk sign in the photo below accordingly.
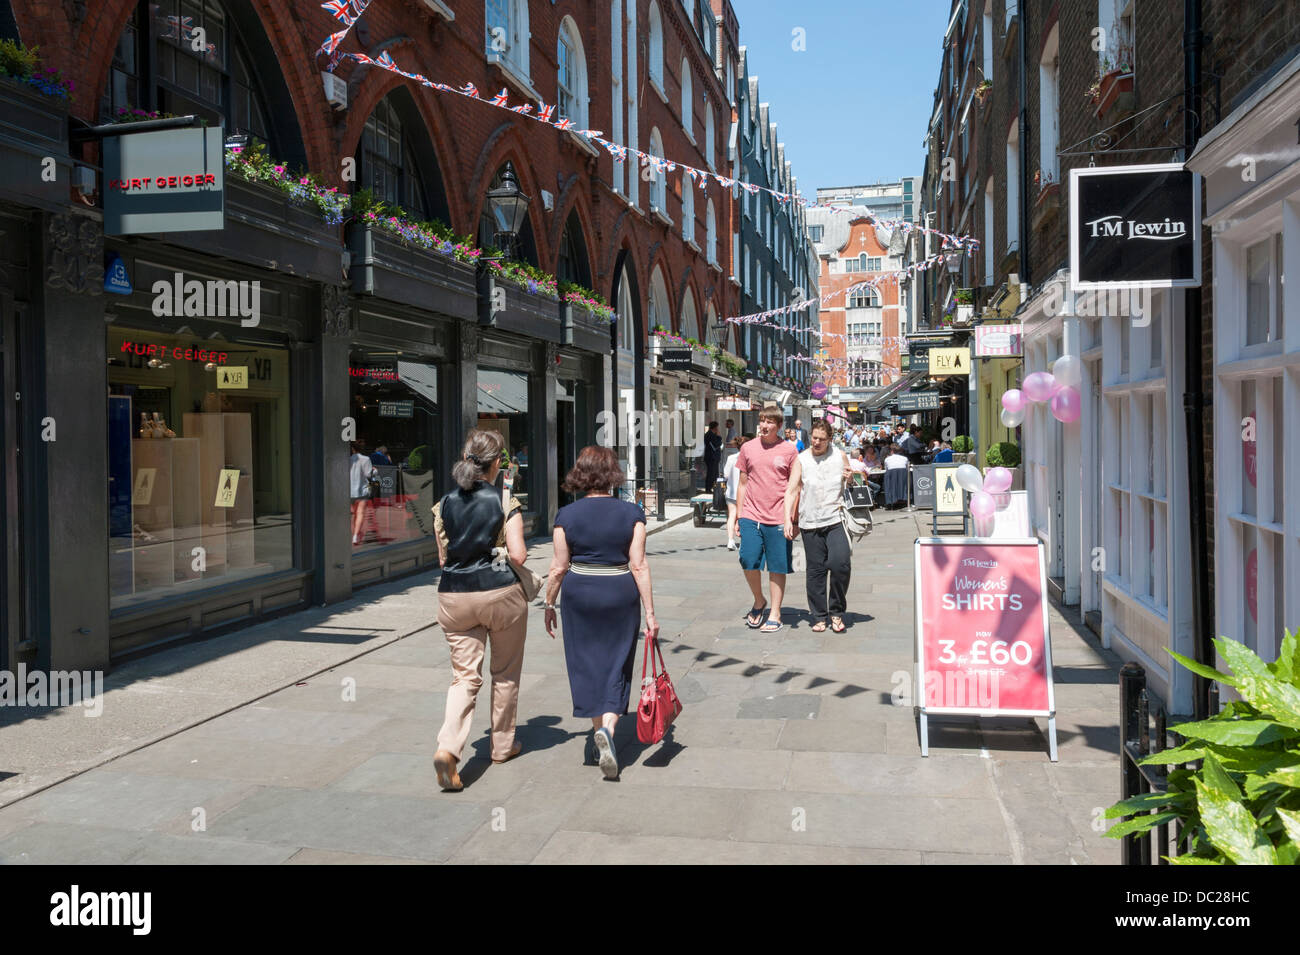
(983, 646)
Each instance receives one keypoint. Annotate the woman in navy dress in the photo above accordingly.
(600, 560)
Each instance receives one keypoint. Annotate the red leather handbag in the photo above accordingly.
(659, 704)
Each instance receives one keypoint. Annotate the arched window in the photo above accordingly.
(616, 82)
(708, 131)
(659, 306)
(155, 66)
(388, 166)
(626, 317)
(864, 298)
(687, 98)
(711, 234)
(688, 208)
(507, 34)
(710, 333)
(573, 264)
(659, 184)
(656, 52)
(690, 323)
(571, 74)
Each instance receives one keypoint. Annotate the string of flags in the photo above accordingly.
(347, 12)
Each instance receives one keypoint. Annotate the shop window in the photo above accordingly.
(200, 472)
(1264, 291)
(503, 407)
(394, 400)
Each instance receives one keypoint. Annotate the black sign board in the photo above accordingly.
(396, 409)
(919, 401)
(1135, 227)
(923, 485)
(918, 356)
(676, 359)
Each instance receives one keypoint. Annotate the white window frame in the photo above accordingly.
(569, 33)
(711, 234)
(515, 58)
(655, 53)
(688, 209)
(688, 100)
(659, 183)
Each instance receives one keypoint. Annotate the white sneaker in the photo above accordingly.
(605, 753)
(731, 543)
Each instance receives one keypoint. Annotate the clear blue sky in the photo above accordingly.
(853, 106)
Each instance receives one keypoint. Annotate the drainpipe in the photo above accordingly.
(1024, 146)
(1204, 693)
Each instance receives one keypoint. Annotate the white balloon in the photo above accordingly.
(1012, 419)
(1068, 371)
(969, 477)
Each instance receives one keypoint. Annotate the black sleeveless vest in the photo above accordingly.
(472, 520)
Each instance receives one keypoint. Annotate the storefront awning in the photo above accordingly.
(893, 391)
(502, 392)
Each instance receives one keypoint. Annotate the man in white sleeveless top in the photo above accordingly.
(817, 481)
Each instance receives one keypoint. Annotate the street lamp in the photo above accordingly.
(507, 206)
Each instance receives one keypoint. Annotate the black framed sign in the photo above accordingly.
(1135, 227)
(675, 359)
(919, 401)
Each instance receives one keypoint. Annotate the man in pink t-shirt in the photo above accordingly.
(764, 465)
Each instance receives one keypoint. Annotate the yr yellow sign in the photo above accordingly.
(949, 361)
(232, 376)
(227, 487)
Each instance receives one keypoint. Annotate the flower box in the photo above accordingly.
(1111, 86)
(701, 360)
(265, 228)
(1047, 206)
(386, 267)
(33, 126)
(510, 307)
(582, 328)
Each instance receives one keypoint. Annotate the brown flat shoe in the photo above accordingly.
(444, 764)
(514, 751)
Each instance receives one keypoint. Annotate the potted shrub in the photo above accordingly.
(965, 299)
(982, 91)
(1116, 78)
(963, 449)
(585, 318)
(33, 122)
(1005, 454)
(1241, 805)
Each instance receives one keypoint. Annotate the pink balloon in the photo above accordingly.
(982, 505)
(997, 480)
(1039, 386)
(1013, 400)
(1067, 405)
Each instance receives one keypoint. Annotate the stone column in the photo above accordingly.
(332, 452)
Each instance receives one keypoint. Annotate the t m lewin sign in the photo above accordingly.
(1135, 227)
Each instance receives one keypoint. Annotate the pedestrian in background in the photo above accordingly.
(600, 569)
(813, 502)
(361, 474)
(732, 477)
(764, 465)
(479, 600)
(712, 456)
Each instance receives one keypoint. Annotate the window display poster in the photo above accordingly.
(982, 629)
(233, 376)
(227, 487)
(144, 481)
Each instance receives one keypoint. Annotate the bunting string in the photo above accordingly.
(346, 12)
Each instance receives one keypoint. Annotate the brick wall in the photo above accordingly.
(472, 140)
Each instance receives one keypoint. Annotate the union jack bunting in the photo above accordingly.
(750, 188)
(340, 10)
(502, 98)
(589, 133)
(544, 113)
(361, 58)
(387, 63)
(469, 89)
(564, 123)
(526, 108)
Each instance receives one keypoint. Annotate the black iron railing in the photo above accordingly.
(1143, 731)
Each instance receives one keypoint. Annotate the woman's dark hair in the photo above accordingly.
(595, 470)
(482, 450)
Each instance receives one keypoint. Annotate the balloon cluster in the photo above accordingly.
(1059, 388)
(982, 487)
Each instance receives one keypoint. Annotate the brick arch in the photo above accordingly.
(622, 238)
(504, 144)
(372, 88)
(686, 290)
(669, 306)
(98, 37)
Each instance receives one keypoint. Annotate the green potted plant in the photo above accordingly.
(1241, 805)
(963, 449)
(1003, 454)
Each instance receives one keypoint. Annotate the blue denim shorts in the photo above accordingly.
(765, 547)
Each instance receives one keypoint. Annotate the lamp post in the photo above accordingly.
(507, 205)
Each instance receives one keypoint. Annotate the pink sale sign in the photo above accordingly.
(981, 621)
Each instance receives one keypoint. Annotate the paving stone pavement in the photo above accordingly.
(790, 749)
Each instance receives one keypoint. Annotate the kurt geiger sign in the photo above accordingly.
(1135, 227)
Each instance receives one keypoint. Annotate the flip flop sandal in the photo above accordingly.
(837, 624)
(754, 619)
(819, 627)
(772, 626)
